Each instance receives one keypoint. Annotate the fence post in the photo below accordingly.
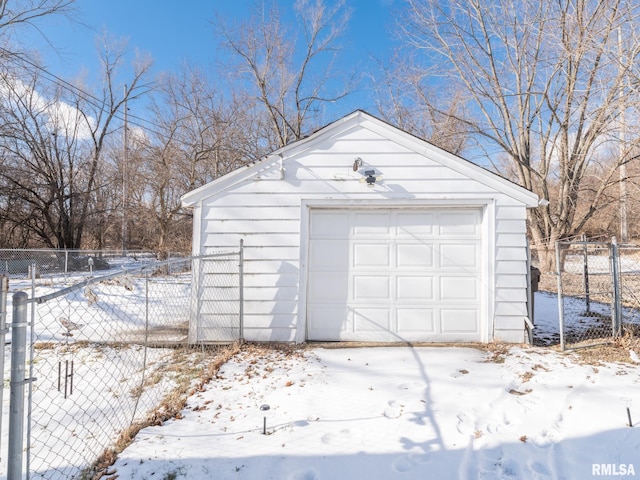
(616, 313)
(4, 291)
(560, 304)
(16, 404)
(146, 347)
(241, 288)
(530, 298)
(585, 273)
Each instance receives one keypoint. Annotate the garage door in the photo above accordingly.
(394, 275)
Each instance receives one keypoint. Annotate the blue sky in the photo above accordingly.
(173, 32)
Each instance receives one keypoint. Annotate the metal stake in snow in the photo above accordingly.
(264, 408)
(627, 400)
(68, 377)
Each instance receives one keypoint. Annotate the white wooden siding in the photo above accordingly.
(266, 212)
(511, 272)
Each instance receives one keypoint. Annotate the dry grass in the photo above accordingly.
(497, 352)
(615, 351)
(172, 404)
(176, 401)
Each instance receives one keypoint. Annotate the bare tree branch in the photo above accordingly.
(52, 151)
(545, 82)
(281, 66)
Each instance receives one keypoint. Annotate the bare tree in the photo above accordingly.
(52, 149)
(545, 83)
(14, 13)
(199, 135)
(288, 72)
(19, 16)
(403, 99)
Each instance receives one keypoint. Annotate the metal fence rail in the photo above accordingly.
(598, 296)
(106, 351)
(57, 264)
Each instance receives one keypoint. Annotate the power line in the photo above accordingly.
(97, 102)
(88, 97)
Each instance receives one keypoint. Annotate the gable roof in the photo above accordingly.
(366, 120)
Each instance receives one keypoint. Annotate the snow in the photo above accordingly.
(401, 412)
(371, 413)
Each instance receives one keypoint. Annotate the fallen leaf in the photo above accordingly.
(517, 392)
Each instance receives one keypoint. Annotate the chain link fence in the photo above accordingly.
(59, 266)
(597, 292)
(106, 352)
(629, 287)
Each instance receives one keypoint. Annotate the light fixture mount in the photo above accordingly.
(371, 177)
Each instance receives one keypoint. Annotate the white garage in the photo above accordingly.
(395, 275)
(362, 232)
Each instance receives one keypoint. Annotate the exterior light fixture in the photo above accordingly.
(371, 178)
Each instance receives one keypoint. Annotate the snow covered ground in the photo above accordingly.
(386, 413)
(401, 413)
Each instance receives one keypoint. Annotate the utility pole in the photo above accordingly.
(624, 225)
(125, 159)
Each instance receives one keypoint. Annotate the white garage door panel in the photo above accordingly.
(371, 255)
(330, 254)
(459, 256)
(459, 224)
(370, 287)
(327, 224)
(371, 320)
(329, 287)
(394, 275)
(414, 287)
(370, 223)
(412, 224)
(330, 318)
(414, 255)
(459, 288)
(415, 320)
(459, 321)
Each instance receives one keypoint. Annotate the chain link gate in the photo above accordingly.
(598, 285)
(585, 293)
(629, 288)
